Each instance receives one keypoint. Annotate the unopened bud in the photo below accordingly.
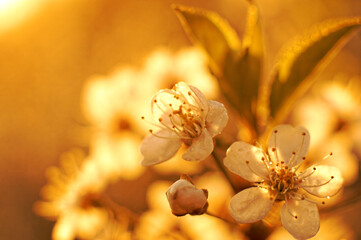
(184, 198)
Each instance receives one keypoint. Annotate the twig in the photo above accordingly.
(221, 218)
(224, 171)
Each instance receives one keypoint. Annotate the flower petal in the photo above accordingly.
(300, 218)
(250, 205)
(159, 149)
(201, 147)
(288, 144)
(217, 117)
(192, 95)
(163, 104)
(238, 154)
(325, 181)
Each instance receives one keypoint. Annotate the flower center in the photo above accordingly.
(180, 113)
(187, 121)
(283, 181)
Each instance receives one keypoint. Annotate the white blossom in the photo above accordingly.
(277, 177)
(183, 115)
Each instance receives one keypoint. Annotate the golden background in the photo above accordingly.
(49, 50)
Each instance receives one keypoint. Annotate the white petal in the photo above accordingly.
(250, 205)
(325, 181)
(156, 150)
(216, 118)
(306, 224)
(238, 154)
(201, 147)
(196, 98)
(291, 144)
(163, 103)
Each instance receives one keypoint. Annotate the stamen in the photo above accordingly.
(151, 131)
(318, 185)
(324, 158)
(259, 175)
(288, 209)
(299, 150)
(273, 149)
(301, 177)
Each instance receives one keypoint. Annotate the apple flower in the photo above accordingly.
(183, 115)
(184, 198)
(277, 177)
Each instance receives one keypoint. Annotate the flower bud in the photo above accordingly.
(184, 197)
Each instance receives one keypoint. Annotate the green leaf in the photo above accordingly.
(211, 32)
(242, 72)
(237, 67)
(306, 54)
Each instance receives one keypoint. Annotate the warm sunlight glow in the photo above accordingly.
(13, 12)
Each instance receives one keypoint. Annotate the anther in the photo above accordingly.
(262, 158)
(282, 162)
(142, 117)
(189, 93)
(314, 168)
(296, 217)
(323, 202)
(202, 110)
(303, 158)
(331, 153)
(275, 131)
(160, 119)
(247, 162)
(150, 130)
(170, 115)
(273, 149)
(170, 104)
(155, 100)
(294, 153)
(332, 177)
(303, 134)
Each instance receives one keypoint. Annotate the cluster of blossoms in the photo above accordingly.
(183, 115)
(277, 178)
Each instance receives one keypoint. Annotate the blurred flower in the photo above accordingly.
(184, 198)
(164, 69)
(277, 178)
(183, 115)
(332, 115)
(70, 198)
(113, 105)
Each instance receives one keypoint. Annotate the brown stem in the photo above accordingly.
(221, 218)
(224, 171)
